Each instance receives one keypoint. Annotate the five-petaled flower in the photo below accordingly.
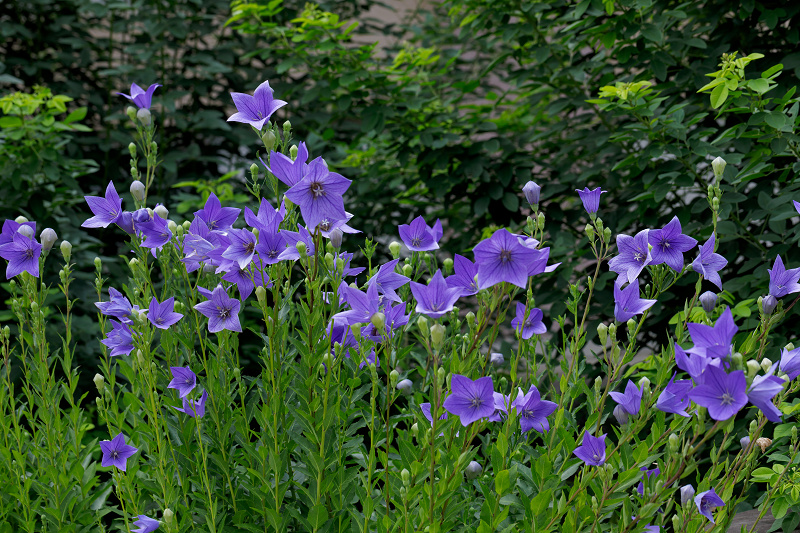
(183, 379)
(22, 254)
(222, 311)
(470, 400)
(435, 299)
(669, 244)
(590, 199)
(419, 237)
(593, 449)
(145, 524)
(533, 411)
(140, 97)
(706, 501)
(163, 315)
(256, 109)
(194, 408)
(709, 263)
(106, 210)
(116, 452)
(528, 323)
(783, 281)
(627, 303)
(502, 257)
(319, 195)
(722, 393)
(634, 255)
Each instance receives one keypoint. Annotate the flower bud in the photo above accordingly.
(144, 117)
(355, 329)
(172, 226)
(437, 335)
(602, 333)
(415, 429)
(612, 331)
(687, 495)
(497, 359)
(744, 442)
(674, 443)
(408, 270)
(763, 443)
(394, 375)
(607, 235)
(766, 364)
(161, 211)
(620, 415)
(470, 318)
(531, 191)
(540, 221)
(440, 375)
(644, 384)
(394, 249)
(336, 238)
(98, 263)
(753, 426)
(48, 238)
(99, 382)
(378, 321)
(473, 469)
(137, 190)
(168, 516)
(66, 250)
(287, 128)
(261, 294)
(752, 368)
(718, 166)
(737, 361)
(132, 150)
(589, 229)
(768, 304)
(269, 140)
(422, 324)
(448, 266)
(405, 386)
(293, 152)
(131, 112)
(405, 475)
(301, 248)
(631, 325)
(27, 231)
(708, 300)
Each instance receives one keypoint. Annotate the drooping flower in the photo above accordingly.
(669, 245)
(119, 340)
(163, 315)
(222, 311)
(790, 362)
(319, 194)
(593, 449)
(706, 501)
(531, 191)
(694, 364)
(539, 264)
(590, 199)
(503, 258)
(434, 299)
(116, 452)
(687, 494)
(194, 408)
(106, 210)
(761, 392)
(464, 276)
(716, 340)
(388, 281)
(721, 393)
(634, 255)
(183, 380)
(419, 237)
(708, 263)
(22, 254)
(675, 397)
(627, 302)
(257, 109)
(288, 171)
(529, 323)
(533, 411)
(242, 247)
(631, 400)
(470, 400)
(140, 97)
(145, 524)
(783, 281)
(216, 217)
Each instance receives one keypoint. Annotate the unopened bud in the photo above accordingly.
(66, 250)
(144, 117)
(589, 231)
(437, 335)
(473, 469)
(602, 333)
(415, 429)
(607, 235)
(768, 304)
(394, 249)
(394, 375)
(708, 300)
(261, 294)
(752, 368)
(161, 211)
(137, 190)
(287, 127)
(422, 324)
(269, 140)
(612, 331)
(744, 442)
(621, 415)
(378, 321)
(687, 495)
(98, 263)
(336, 238)
(644, 384)
(674, 443)
(293, 152)
(440, 375)
(753, 427)
(131, 112)
(497, 359)
(718, 166)
(737, 361)
(132, 150)
(355, 329)
(254, 172)
(405, 386)
(470, 318)
(408, 270)
(48, 238)
(301, 248)
(540, 221)
(27, 231)
(172, 226)
(631, 325)
(405, 475)
(532, 191)
(448, 266)
(99, 382)
(168, 516)
(766, 364)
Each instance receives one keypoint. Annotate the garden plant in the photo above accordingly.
(382, 398)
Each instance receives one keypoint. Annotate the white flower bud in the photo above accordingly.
(48, 238)
(405, 386)
(161, 211)
(718, 165)
(26, 231)
(497, 359)
(473, 470)
(21, 220)
(144, 117)
(137, 190)
(99, 382)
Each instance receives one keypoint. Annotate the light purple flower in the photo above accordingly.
(434, 299)
(593, 449)
(761, 392)
(268, 218)
(529, 323)
(319, 194)
(533, 411)
(116, 452)
(117, 306)
(464, 277)
(119, 340)
(501, 405)
(140, 97)
(708, 263)
(156, 231)
(288, 171)
(783, 281)
(194, 407)
(145, 524)
(257, 109)
(11, 227)
(706, 501)
(675, 397)
(216, 217)
(388, 281)
(470, 400)
(222, 311)
(22, 254)
(183, 379)
(106, 210)
(634, 255)
(713, 341)
(590, 199)
(503, 258)
(242, 247)
(631, 400)
(426, 411)
(721, 393)
(362, 305)
(669, 244)
(270, 246)
(162, 315)
(419, 237)
(790, 362)
(627, 303)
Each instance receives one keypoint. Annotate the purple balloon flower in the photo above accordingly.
(242, 247)
(669, 244)
(722, 393)
(119, 340)
(762, 390)
(435, 299)
(590, 199)
(706, 501)
(388, 281)
(529, 323)
(22, 254)
(163, 315)
(106, 210)
(790, 362)
(716, 340)
(286, 170)
(319, 195)
(291, 238)
(503, 258)
(593, 449)
(216, 217)
(257, 109)
(533, 411)
(470, 400)
(222, 311)
(419, 237)
(268, 218)
(140, 97)
(783, 281)
(501, 406)
(145, 524)
(11, 227)
(117, 306)
(627, 303)
(708, 263)
(156, 231)
(194, 408)
(116, 452)
(634, 255)
(675, 397)
(464, 277)
(531, 191)
(631, 400)
(183, 380)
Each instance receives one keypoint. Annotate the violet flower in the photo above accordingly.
(291, 238)
(669, 245)
(627, 303)
(244, 278)
(533, 411)
(706, 501)
(194, 408)
(631, 400)
(464, 277)
(116, 452)
(593, 449)
(257, 109)
(708, 263)
(426, 411)
(395, 317)
(106, 210)
(388, 281)
(183, 380)
(790, 362)
(156, 231)
(117, 306)
(502, 403)
(268, 218)
(529, 323)
(140, 97)
(434, 299)
(503, 258)
(242, 247)
(163, 315)
(22, 254)
(590, 199)
(270, 246)
(783, 281)
(648, 473)
(319, 194)
(216, 217)
(675, 397)
(713, 341)
(470, 400)
(722, 393)
(119, 340)
(222, 311)
(634, 255)
(288, 171)
(362, 305)
(761, 392)
(419, 237)
(145, 524)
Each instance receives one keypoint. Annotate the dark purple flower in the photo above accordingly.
(288, 171)
(156, 231)
(163, 315)
(257, 109)
(503, 258)
(529, 323)
(782, 281)
(669, 244)
(590, 199)
(762, 390)
(790, 362)
(22, 254)
(290, 253)
(339, 331)
(531, 191)
(106, 210)
(533, 411)
(319, 194)
(388, 281)
(593, 449)
(706, 501)
(140, 97)
(119, 340)
(242, 247)
(465, 276)
(631, 400)
(634, 255)
(222, 311)
(270, 246)
(675, 397)
(796, 205)
(470, 400)
(434, 299)
(183, 379)
(419, 237)
(116, 452)
(216, 217)
(708, 264)
(194, 407)
(716, 340)
(145, 524)
(125, 222)
(722, 393)
(627, 303)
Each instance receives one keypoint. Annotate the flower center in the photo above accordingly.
(249, 247)
(325, 224)
(664, 243)
(272, 254)
(159, 320)
(29, 254)
(476, 402)
(638, 257)
(224, 312)
(317, 189)
(727, 399)
(416, 241)
(596, 457)
(259, 114)
(114, 454)
(505, 256)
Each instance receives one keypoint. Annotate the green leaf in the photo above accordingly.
(502, 482)
(776, 119)
(718, 96)
(780, 507)
(652, 33)
(10, 122)
(78, 114)
(318, 516)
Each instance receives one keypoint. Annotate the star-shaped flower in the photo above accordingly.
(722, 393)
(106, 210)
(631, 400)
(627, 303)
(708, 263)
(533, 411)
(634, 255)
(257, 109)
(319, 194)
(529, 323)
(706, 501)
(783, 281)
(183, 379)
(464, 277)
(216, 217)
(163, 315)
(140, 97)
(503, 258)
(288, 171)
(675, 397)
(435, 299)
(222, 311)
(470, 400)
(669, 244)
(419, 237)
(593, 449)
(22, 254)
(194, 408)
(116, 452)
